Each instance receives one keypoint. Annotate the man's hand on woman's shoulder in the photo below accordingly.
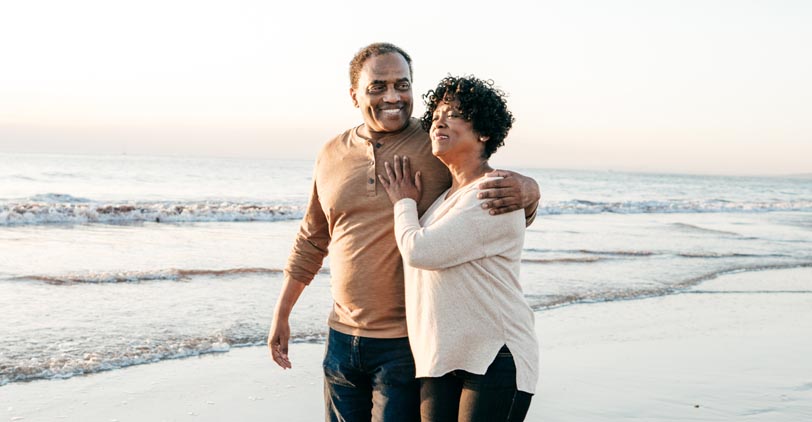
(510, 193)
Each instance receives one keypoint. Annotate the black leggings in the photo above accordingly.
(463, 396)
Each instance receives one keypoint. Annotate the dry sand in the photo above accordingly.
(736, 348)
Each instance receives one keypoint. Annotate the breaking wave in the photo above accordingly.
(669, 207)
(68, 365)
(65, 209)
(58, 208)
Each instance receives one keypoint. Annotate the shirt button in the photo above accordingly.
(371, 163)
(371, 180)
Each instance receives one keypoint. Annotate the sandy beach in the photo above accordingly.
(733, 348)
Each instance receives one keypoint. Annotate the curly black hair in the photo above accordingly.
(480, 102)
(374, 50)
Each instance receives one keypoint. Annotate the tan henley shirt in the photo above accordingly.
(350, 215)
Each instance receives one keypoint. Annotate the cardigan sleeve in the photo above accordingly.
(466, 233)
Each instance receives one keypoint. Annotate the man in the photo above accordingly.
(368, 366)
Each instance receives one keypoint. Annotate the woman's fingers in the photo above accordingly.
(407, 168)
(384, 183)
(399, 173)
(398, 168)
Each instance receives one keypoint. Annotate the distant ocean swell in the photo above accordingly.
(595, 256)
(175, 274)
(171, 274)
(541, 302)
(596, 259)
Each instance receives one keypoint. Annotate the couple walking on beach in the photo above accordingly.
(428, 317)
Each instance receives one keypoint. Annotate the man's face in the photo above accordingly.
(384, 94)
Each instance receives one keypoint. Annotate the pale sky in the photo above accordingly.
(701, 86)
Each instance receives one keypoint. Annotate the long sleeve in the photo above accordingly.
(528, 220)
(464, 299)
(311, 244)
(465, 233)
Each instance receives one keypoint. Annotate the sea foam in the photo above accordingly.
(670, 207)
(52, 210)
(65, 209)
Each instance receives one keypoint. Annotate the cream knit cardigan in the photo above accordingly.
(463, 297)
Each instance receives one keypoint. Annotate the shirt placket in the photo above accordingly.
(371, 176)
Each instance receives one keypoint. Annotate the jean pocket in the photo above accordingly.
(335, 373)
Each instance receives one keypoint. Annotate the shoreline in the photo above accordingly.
(735, 346)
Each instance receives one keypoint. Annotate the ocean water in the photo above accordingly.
(112, 261)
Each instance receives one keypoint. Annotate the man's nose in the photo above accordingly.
(391, 95)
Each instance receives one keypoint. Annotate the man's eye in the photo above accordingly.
(375, 88)
(404, 86)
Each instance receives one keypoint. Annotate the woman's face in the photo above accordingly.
(451, 134)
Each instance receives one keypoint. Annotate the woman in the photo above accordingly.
(470, 329)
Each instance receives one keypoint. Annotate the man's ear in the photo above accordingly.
(354, 99)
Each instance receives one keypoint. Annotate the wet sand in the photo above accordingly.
(734, 348)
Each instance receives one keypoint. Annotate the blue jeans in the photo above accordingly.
(461, 395)
(369, 379)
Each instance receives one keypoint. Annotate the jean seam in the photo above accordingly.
(510, 410)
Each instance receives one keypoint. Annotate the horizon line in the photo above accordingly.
(801, 175)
